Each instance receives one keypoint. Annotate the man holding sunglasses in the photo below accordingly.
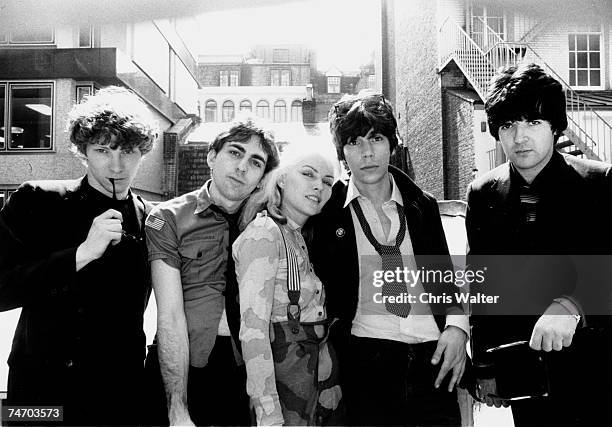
(73, 257)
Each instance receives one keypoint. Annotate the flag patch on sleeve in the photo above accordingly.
(154, 222)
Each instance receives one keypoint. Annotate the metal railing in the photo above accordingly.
(586, 128)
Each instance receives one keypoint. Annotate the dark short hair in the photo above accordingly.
(241, 130)
(113, 111)
(525, 92)
(355, 115)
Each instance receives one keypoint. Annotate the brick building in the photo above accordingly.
(438, 57)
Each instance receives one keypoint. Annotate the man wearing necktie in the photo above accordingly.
(399, 357)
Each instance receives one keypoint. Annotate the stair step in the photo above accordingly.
(575, 152)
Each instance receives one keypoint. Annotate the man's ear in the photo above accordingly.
(210, 158)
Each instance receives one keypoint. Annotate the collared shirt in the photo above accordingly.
(373, 320)
(261, 267)
(189, 236)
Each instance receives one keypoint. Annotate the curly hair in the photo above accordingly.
(116, 112)
(355, 115)
(525, 93)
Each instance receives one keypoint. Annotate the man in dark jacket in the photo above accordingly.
(73, 257)
(550, 275)
(399, 357)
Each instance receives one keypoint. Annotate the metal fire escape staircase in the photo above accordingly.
(587, 135)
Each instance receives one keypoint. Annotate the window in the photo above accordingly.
(86, 36)
(487, 25)
(210, 111)
(263, 109)
(223, 78)
(2, 127)
(82, 91)
(333, 84)
(296, 111)
(280, 55)
(29, 120)
(233, 78)
(32, 35)
(372, 81)
(585, 59)
(246, 106)
(280, 111)
(280, 77)
(228, 111)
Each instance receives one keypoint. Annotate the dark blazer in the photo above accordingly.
(333, 251)
(574, 218)
(79, 333)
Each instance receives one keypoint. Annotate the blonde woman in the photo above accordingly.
(292, 376)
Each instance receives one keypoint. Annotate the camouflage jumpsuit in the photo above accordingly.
(292, 377)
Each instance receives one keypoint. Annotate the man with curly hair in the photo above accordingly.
(73, 257)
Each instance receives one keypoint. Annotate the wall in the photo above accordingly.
(208, 74)
(193, 169)
(459, 159)
(416, 88)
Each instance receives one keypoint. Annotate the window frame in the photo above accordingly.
(225, 107)
(224, 78)
(8, 40)
(8, 116)
(575, 69)
(277, 110)
(244, 103)
(215, 110)
(234, 77)
(294, 115)
(260, 105)
(91, 36)
(330, 85)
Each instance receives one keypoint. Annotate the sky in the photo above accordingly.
(343, 33)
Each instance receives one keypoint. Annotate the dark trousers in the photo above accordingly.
(217, 393)
(392, 383)
(97, 395)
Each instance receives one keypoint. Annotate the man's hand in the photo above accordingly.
(105, 229)
(452, 345)
(487, 393)
(554, 329)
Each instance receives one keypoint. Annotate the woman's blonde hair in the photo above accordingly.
(269, 194)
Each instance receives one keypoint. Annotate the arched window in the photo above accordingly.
(263, 109)
(246, 105)
(210, 111)
(228, 111)
(296, 111)
(280, 111)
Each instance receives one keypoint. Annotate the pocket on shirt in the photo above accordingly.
(203, 260)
